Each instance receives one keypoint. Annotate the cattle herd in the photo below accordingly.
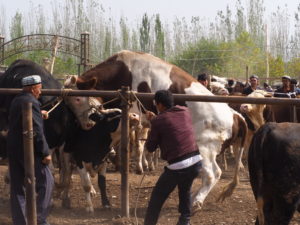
(85, 136)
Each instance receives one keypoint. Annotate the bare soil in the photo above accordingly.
(238, 210)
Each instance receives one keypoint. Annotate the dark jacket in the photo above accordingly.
(172, 131)
(15, 137)
(282, 90)
(249, 90)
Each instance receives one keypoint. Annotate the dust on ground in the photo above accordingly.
(239, 209)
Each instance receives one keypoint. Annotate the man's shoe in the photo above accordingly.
(45, 223)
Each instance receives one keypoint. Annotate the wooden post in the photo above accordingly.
(294, 110)
(85, 50)
(247, 74)
(1, 50)
(29, 164)
(124, 153)
(55, 43)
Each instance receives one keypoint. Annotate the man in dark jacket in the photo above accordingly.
(172, 131)
(44, 179)
(253, 85)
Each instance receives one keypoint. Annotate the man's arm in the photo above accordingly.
(40, 143)
(153, 138)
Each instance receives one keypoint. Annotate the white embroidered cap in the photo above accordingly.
(31, 80)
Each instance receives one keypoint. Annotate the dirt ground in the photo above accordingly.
(238, 210)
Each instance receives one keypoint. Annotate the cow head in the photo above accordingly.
(82, 107)
(218, 89)
(255, 111)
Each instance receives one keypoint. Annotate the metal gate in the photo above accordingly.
(46, 42)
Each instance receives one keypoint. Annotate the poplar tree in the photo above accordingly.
(256, 21)
(240, 20)
(145, 34)
(159, 38)
(17, 26)
(124, 34)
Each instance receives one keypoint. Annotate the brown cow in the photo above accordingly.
(216, 124)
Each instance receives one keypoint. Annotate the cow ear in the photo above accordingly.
(86, 85)
(73, 79)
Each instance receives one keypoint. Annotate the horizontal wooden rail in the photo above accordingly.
(149, 96)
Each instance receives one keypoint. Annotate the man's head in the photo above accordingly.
(253, 81)
(286, 80)
(163, 100)
(203, 79)
(33, 85)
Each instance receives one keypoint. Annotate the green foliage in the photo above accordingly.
(17, 27)
(234, 40)
(159, 49)
(145, 34)
(197, 59)
(222, 58)
(293, 67)
(124, 34)
(65, 65)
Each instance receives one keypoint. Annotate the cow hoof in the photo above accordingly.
(66, 203)
(139, 172)
(151, 168)
(93, 192)
(196, 208)
(89, 209)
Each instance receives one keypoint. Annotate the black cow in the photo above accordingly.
(274, 165)
(61, 127)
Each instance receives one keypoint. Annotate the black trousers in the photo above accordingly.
(44, 185)
(166, 183)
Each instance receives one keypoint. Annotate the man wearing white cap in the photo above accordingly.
(44, 179)
(286, 85)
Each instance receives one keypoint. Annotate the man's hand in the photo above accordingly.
(46, 160)
(45, 114)
(150, 115)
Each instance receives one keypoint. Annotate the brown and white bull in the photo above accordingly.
(216, 124)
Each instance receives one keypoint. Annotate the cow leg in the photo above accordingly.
(102, 185)
(65, 178)
(156, 157)
(139, 148)
(87, 187)
(210, 174)
(236, 148)
(149, 158)
(224, 161)
(279, 211)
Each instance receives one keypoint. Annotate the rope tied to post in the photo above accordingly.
(127, 101)
(138, 100)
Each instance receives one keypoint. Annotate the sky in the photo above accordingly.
(168, 9)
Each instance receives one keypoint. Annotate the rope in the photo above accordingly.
(59, 101)
(138, 100)
(123, 98)
(110, 101)
(65, 92)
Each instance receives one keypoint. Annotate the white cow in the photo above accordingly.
(216, 124)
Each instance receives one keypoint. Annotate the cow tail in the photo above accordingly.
(228, 189)
(255, 166)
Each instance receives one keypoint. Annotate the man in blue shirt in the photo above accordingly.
(44, 179)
